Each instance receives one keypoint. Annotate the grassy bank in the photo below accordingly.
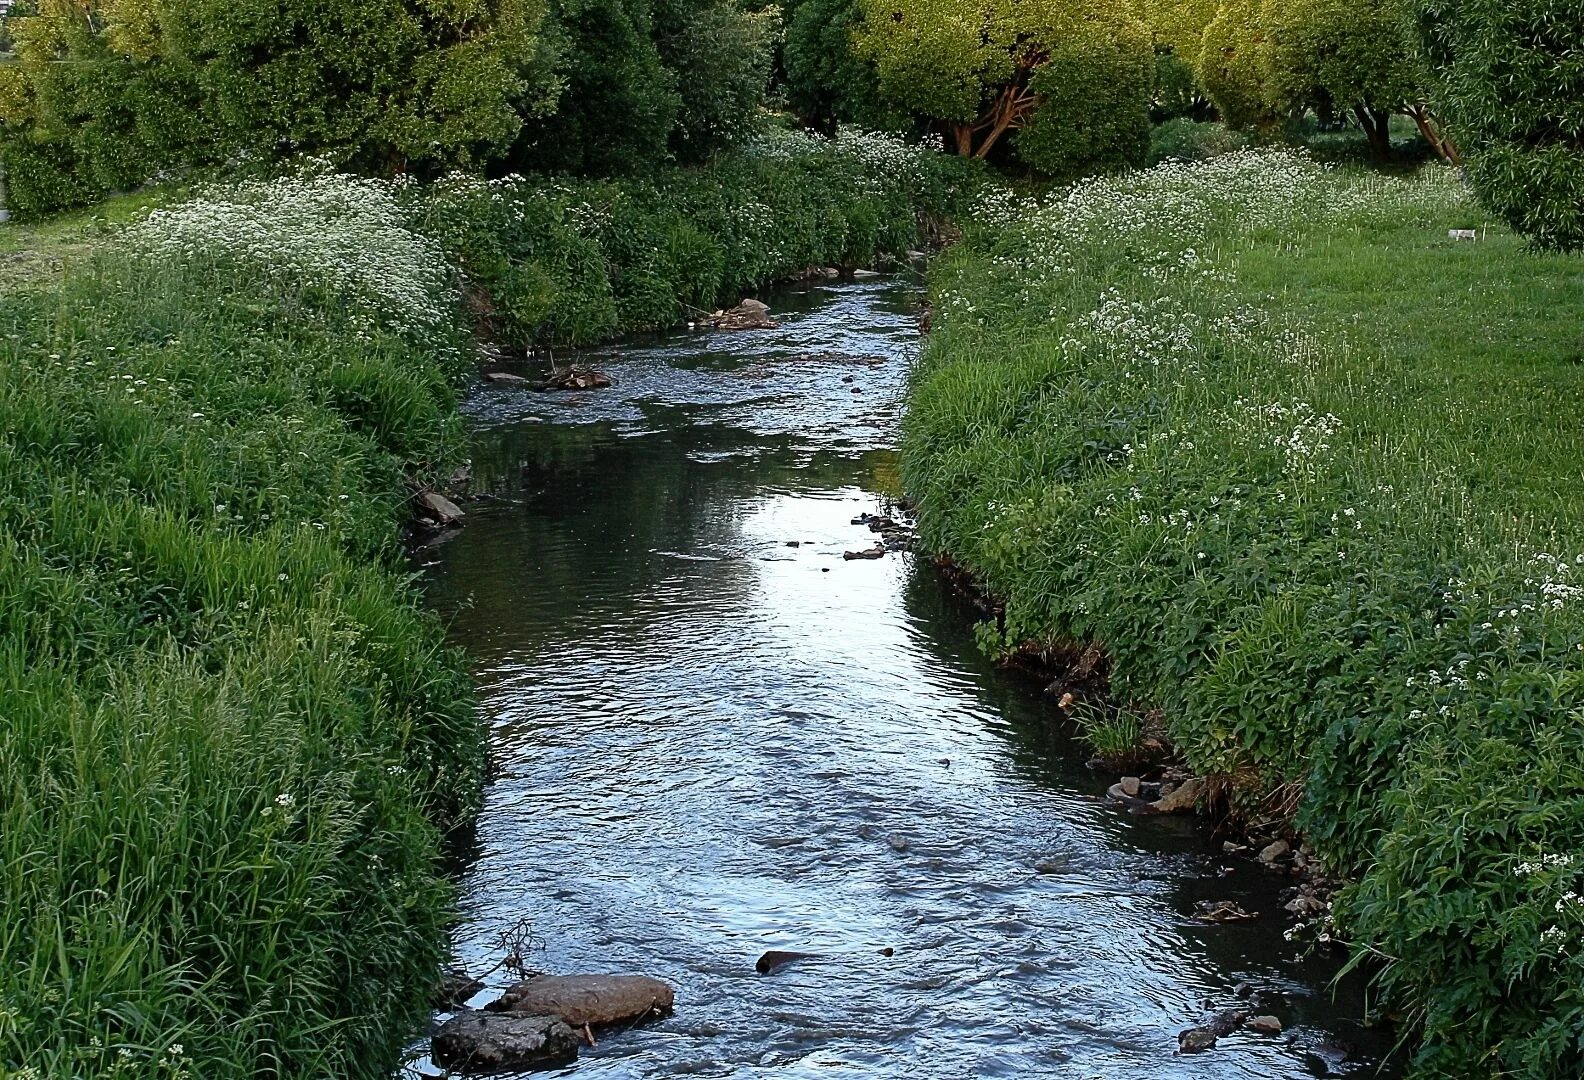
(571, 262)
(231, 736)
(1310, 471)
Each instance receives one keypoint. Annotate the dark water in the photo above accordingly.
(711, 744)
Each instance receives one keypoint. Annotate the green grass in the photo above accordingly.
(232, 737)
(1312, 472)
(34, 254)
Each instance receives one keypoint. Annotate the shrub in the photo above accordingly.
(1185, 140)
(1509, 83)
(1234, 66)
(567, 263)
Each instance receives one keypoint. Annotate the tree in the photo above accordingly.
(1509, 77)
(985, 68)
(105, 93)
(722, 55)
(1358, 56)
(1234, 65)
(827, 82)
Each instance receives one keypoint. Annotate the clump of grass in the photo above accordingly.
(232, 738)
(1116, 736)
(1309, 468)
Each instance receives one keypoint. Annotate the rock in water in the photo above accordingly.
(595, 1000)
(455, 987)
(1182, 800)
(1275, 850)
(438, 509)
(1131, 786)
(774, 960)
(876, 552)
(477, 1042)
(505, 378)
(1265, 1025)
(1195, 1040)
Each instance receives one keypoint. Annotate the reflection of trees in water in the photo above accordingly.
(586, 510)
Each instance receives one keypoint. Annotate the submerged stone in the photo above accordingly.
(475, 1042)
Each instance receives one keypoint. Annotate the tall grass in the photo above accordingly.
(231, 737)
(1310, 470)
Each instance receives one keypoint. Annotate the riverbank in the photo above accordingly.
(1253, 426)
(554, 263)
(234, 738)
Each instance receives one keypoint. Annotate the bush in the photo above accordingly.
(1509, 83)
(568, 263)
(232, 735)
(1095, 96)
(1234, 66)
(1159, 412)
(1185, 140)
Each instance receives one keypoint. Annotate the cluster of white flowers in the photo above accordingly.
(1139, 337)
(328, 231)
(1545, 862)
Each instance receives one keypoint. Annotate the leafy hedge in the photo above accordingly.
(1510, 80)
(573, 262)
(1187, 414)
(232, 737)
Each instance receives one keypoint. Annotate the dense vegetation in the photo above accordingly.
(232, 738)
(576, 261)
(1191, 415)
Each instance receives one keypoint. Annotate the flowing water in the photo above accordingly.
(711, 744)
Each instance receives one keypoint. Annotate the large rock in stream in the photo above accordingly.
(594, 1000)
(478, 1042)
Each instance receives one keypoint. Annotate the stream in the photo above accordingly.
(709, 744)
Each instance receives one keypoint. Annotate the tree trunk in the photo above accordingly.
(1377, 127)
(963, 135)
(1434, 134)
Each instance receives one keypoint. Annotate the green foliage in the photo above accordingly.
(827, 82)
(722, 56)
(575, 262)
(232, 735)
(1073, 76)
(1094, 93)
(1179, 25)
(103, 97)
(1234, 66)
(1185, 140)
(1344, 54)
(1167, 412)
(620, 101)
(1361, 56)
(1510, 81)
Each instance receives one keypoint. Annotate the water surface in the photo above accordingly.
(710, 744)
